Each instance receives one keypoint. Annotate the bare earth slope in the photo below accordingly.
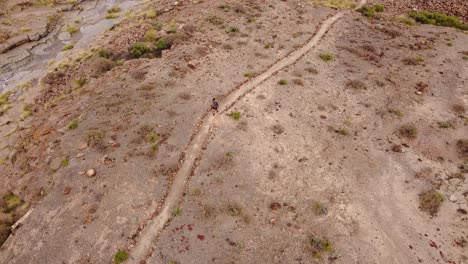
(322, 157)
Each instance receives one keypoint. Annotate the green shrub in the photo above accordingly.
(103, 53)
(430, 201)
(72, 29)
(68, 47)
(379, 8)
(120, 257)
(151, 35)
(162, 44)
(326, 57)
(72, 125)
(114, 9)
(438, 19)
(282, 82)
(138, 49)
(112, 16)
(232, 29)
(235, 115)
(367, 11)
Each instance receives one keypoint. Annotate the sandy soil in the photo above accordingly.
(316, 169)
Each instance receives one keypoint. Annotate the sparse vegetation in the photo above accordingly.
(319, 246)
(72, 125)
(326, 56)
(112, 16)
(438, 19)
(162, 44)
(445, 124)
(72, 29)
(139, 49)
(65, 162)
(151, 35)
(411, 61)
(408, 131)
(248, 75)
(396, 112)
(177, 211)
(80, 82)
(342, 131)
(282, 82)
(405, 20)
(215, 20)
(25, 112)
(235, 115)
(367, 11)
(232, 29)
(341, 4)
(234, 209)
(356, 85)
(94, 136)
(68, 47)
(319, 208)
(120, 257)
(430, 201)
(114, 9)
(103, 53)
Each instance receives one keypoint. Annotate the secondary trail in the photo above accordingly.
(193, 152)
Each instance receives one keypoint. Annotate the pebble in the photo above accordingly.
(91, 172)
(453, 198)
(79, 155)
(82, 145)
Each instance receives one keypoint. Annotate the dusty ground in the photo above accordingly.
(317, 157)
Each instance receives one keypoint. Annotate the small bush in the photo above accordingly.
(80, 82)
(408, 131)
(72, 125)
(112, 16)
(103, 53)
(234, 209)
(235, 115)
(282, 82)
(248, 75)
(72, 29)
(445, 124)
(438, 19)
(177, 211)
(405, 20)
(319, 208)
(342, 131)
(430, 201)
(120, 257)
(151, 35)
(326, 57)
(68, 47)
(162, 44)
(232, 29)
(215, 20)
(319, 246)
(152, 138)
(139, 49)
(65, 162)
(379, 8)
(114, 9)
(367, 11)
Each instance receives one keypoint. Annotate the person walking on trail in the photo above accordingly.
(214, 106)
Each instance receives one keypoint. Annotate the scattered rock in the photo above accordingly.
(82, 145)
(80, 155)
(91, 173)
(82, 172)
(56, 164)
(275, 206)
(397, 148)
(67, 190)
(453, 198)
(272, 221)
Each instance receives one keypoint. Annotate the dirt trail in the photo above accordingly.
(192, 154)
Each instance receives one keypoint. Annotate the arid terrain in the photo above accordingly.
(341, 137)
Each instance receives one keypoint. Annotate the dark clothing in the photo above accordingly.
(215, 105)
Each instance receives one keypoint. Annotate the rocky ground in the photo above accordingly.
(356, 153)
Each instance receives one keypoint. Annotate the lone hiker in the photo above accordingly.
(214, 105)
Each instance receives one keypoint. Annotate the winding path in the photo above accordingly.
(193, 152)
